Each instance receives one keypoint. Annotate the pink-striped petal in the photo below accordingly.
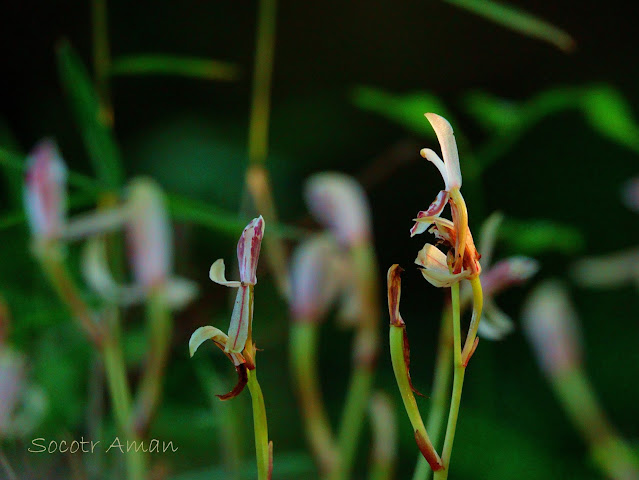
(240, 320)
(434, 210)
(248, 250)
(45, 196)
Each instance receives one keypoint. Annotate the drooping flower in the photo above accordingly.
(45, 195)
(437, 267)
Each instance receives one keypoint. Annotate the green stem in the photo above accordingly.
(303, 351)
(262, 447)
(402, 377)
(159, 325)
(102, 56)
(458, 382)
(352, 421)
(612, 455)
(439, 394)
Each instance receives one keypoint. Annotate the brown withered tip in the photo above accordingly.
(428, 452)
(394, 283)
(239, 386)
(406, 350)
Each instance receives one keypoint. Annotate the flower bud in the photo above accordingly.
(45, 196)
(339, 202)
(551, 324)
(149, 234)
(315, 280)
(248, 250)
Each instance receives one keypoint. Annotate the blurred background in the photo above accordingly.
(547, 137)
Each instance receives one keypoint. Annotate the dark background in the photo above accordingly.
(190, 135)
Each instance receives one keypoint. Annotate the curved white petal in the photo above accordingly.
(435, 268)
(434, 210)
(203, 334)
(495, 324)
(432, 157)
(216, 273)
(446, 138)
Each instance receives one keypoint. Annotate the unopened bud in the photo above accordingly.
(248, 250)
(339, 202)
(552, 327)
(45, 195)
(149, 233)
(315, 280)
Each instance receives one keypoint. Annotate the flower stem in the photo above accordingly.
(149, 394)
(263, 449)
(303, 351)
(458, 383)
(439, 393)
(384, 437)
(478, 303)
(611, 454)
(399, 355)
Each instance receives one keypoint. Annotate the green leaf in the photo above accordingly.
(533, 237)
(608, 112)
(405, 109)
(519, 21)
(202, 68)
(199, 213)
(92, 118)
(13, 179)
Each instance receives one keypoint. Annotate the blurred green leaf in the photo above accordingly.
(533, 237)
(171, 65)
(519, 21)
(13, 179)
(608, 112)
(405, 109)
(199, 213)
(91, 117)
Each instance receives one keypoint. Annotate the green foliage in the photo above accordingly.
(534, 237)
(519, 21)
(91, 116)
(406, 110)
(202, 68)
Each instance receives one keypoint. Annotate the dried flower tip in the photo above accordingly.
(394, 285)
(339, 202)
(45, 195)
(552, 327)
(315, 278)
(149, 234)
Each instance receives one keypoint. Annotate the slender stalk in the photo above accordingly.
(384, 437)
(160, 325)
(365, 355)
(102, 57)
(262, 447)
(478, 303)
(303, 352)
(612, 455)
(108, 343)
(439, 393)
(458, 383)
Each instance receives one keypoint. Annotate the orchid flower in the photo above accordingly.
(148, 235)
(45, 195)
(506, 273)
(234, 344)
(454, 234)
